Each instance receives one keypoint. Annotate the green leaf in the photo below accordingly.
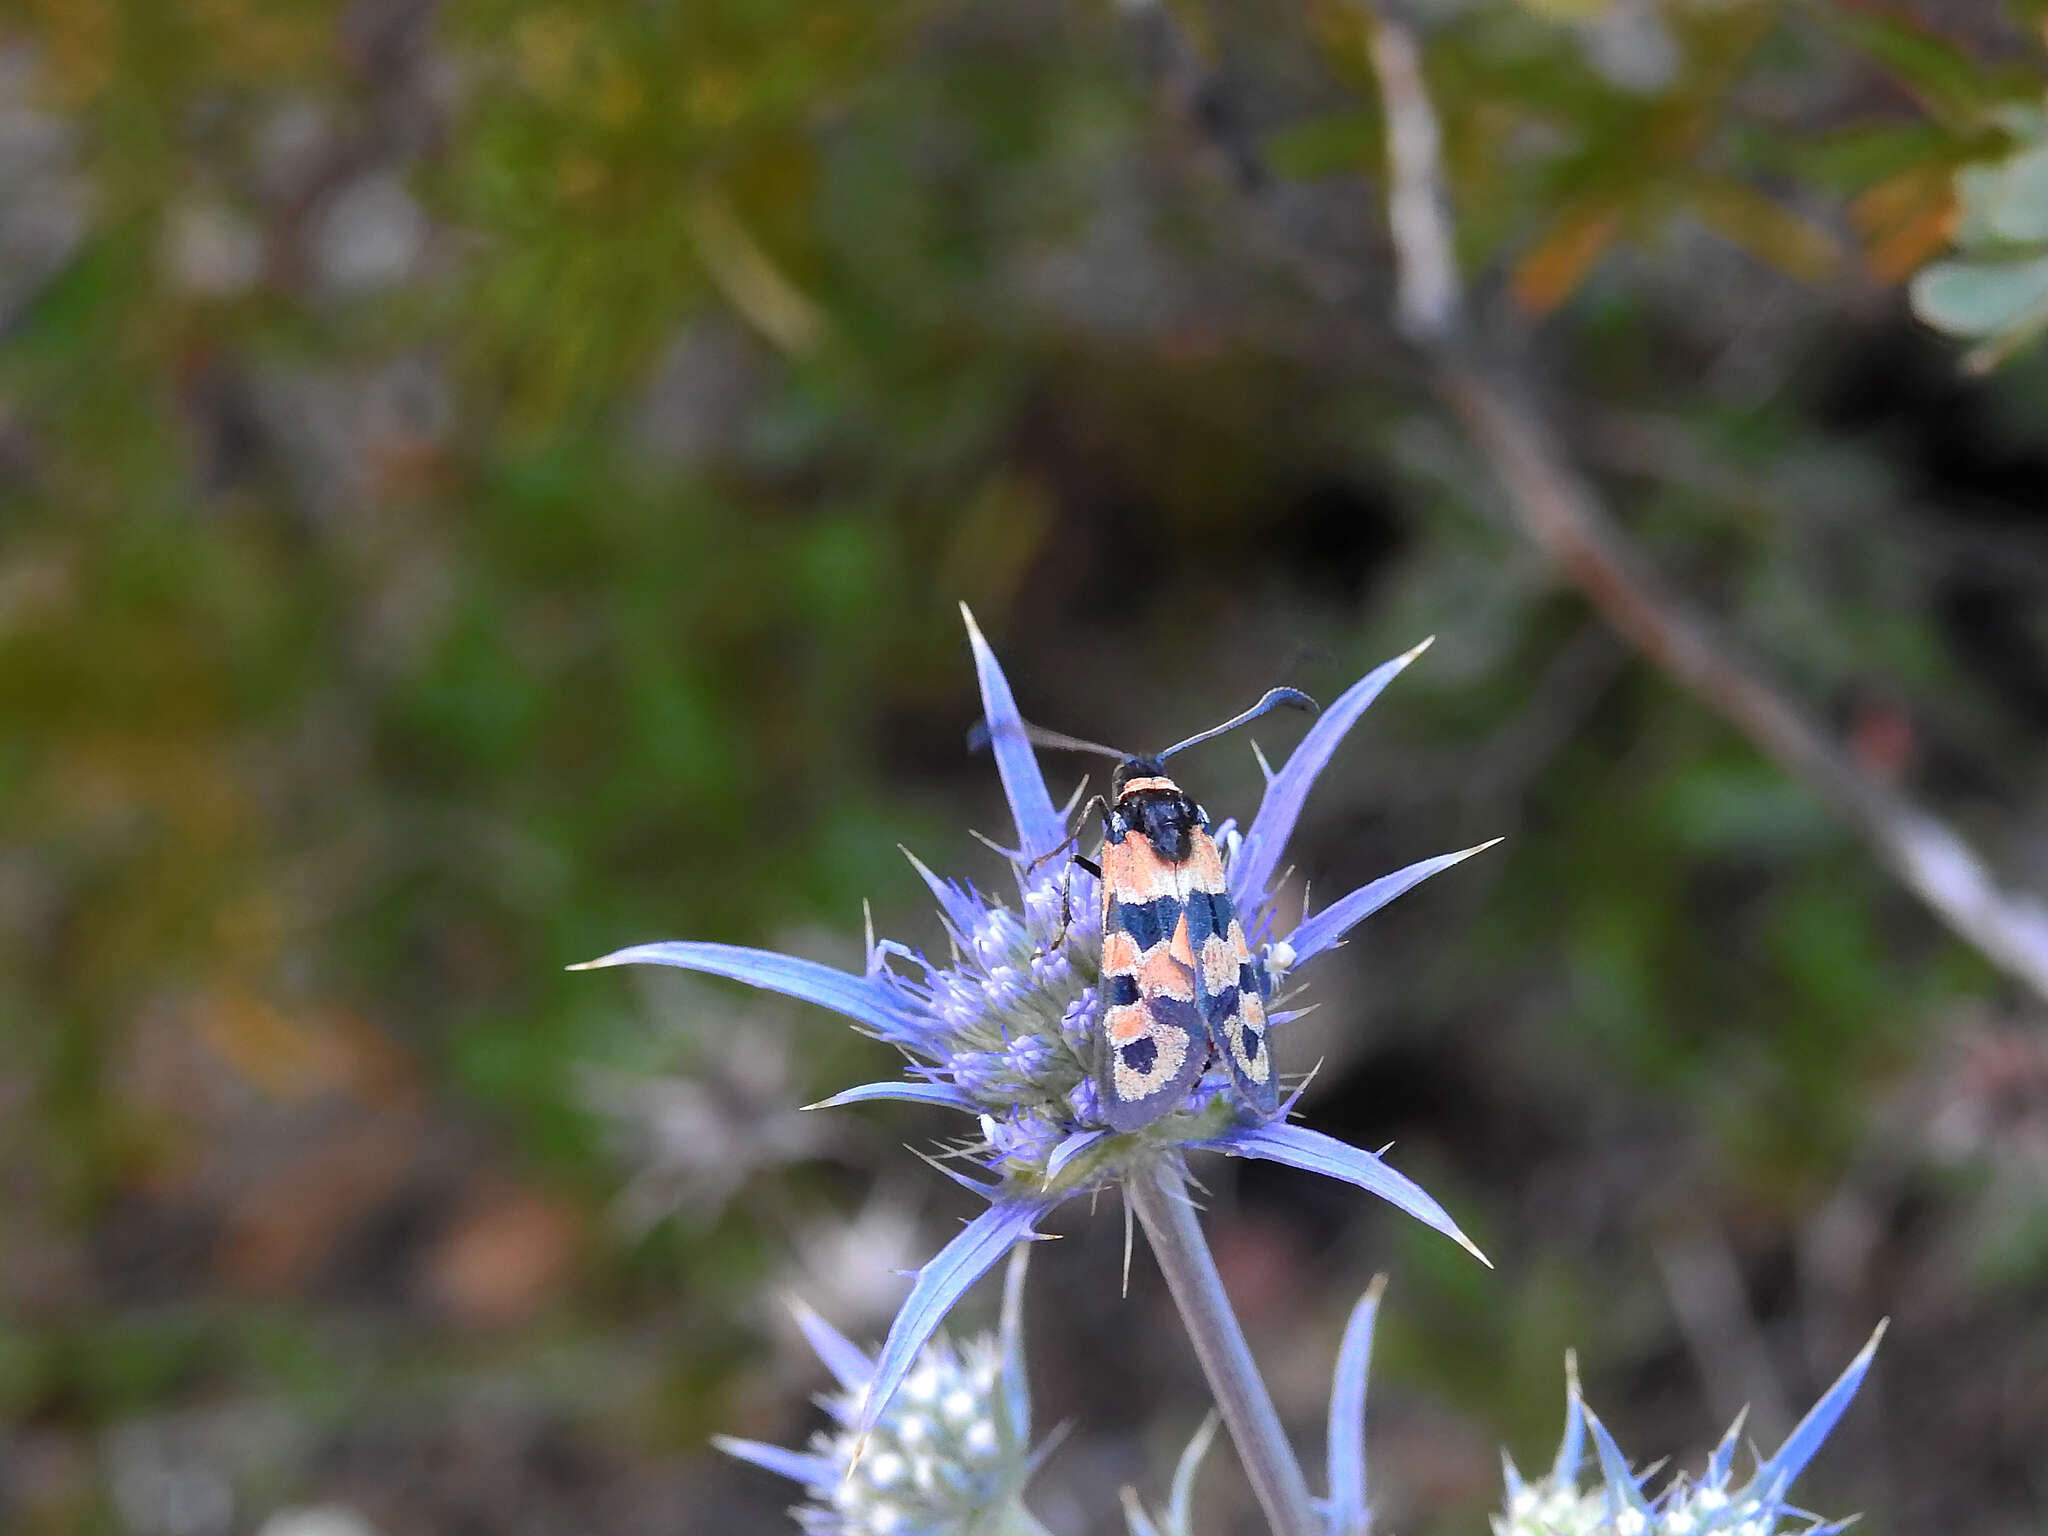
(1770, 233)
(1851, 158)
(1978, 299)
(1340, 141)
(2019, 210)
(1944, 79)
(1978, 196)
(2024, 120)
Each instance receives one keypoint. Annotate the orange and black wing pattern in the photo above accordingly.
(1154, 1038)
(1229, 984)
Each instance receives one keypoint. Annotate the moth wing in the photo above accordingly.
(1231, 986)
(1152, 1041)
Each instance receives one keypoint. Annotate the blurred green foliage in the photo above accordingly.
(481, 485)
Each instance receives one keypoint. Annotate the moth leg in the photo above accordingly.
(1067, 899)
(1069, 840)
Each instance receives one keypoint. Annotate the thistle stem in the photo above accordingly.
(1159, 1196)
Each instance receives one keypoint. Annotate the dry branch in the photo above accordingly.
(1564, 515)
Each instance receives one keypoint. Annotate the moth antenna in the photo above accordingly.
(1057, 741)
(1275, 698)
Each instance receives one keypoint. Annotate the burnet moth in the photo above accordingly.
(1179, 981)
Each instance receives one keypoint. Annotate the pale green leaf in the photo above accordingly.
(2020, 207)
(1980, 298)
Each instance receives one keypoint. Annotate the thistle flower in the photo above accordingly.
(949, 1456)
(1002, 1029)
(1558, 1505)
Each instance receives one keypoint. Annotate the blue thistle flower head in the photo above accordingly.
(950, 1454)
(1713, 1504)
(1000, 1026)
(1559, 1503)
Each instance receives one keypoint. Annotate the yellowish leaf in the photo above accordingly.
(1567, 10)
(1905, 220)
(1906, 248)
(1552, 272)
(750, 279)
(1768, 231)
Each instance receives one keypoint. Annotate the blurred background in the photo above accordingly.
(489, 482)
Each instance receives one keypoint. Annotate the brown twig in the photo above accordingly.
(1563, 514)
(1428, 299)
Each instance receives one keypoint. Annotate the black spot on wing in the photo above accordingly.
(1122, 990)
(1179, 1013)
(1147, 922)
(1167, 1014)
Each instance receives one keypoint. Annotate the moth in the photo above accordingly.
(1180, 986)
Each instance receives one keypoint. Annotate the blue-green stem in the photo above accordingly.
(1159, 1196)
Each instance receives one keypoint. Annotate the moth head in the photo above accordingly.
(1135, 773)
